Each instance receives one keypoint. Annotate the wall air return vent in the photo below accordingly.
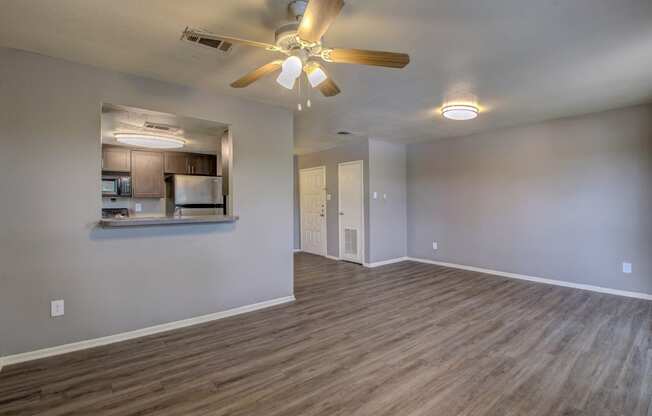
(212, 42)
(351, 242)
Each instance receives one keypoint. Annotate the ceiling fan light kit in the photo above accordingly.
(302, 43)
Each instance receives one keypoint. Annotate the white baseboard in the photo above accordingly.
(386, 262)
(332, 257)
(82, 345)
(599, 289)
(297, 250)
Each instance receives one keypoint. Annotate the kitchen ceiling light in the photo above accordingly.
(154, 141)
(460, 112)
(290, 71)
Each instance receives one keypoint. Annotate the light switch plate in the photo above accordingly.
(328, 197)
(56, 308)
(138, 207)
(435, 246)
(627, 268)
(375, 195)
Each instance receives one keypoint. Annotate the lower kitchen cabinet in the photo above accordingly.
(147, 174)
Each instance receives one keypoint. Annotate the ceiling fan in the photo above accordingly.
(301, 42)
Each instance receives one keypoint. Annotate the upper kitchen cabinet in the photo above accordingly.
(203, 165)
(147, 174)
(116, 159)
(190, 163)
(176, 162)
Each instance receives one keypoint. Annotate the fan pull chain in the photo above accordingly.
(299, 107)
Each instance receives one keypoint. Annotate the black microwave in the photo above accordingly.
(116, 186)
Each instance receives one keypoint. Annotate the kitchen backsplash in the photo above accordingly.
(149, 206)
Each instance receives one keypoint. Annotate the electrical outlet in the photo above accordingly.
(328, 197)
(56, 308)
(435, 246)
(138, 207)
(627, 268)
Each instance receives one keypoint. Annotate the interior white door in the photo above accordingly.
(351, 211)
(312, 194)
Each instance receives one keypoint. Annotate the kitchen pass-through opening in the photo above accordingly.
(158, 164)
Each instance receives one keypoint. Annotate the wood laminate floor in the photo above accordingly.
(402, 340)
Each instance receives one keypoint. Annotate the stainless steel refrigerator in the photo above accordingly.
(194, 195)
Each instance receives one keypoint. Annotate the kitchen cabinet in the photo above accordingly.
(147, 174)
(190, 163)
(203, 164)
(116, 159)
(176, 162)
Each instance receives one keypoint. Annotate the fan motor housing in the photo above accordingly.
(286, 37)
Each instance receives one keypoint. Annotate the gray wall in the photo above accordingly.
(331, 158)
(120, 280)
(387, 219)
(569, 199)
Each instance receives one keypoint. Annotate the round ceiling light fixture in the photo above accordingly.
(460, 112)
(153, 141)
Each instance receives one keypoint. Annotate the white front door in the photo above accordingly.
(312, 194)
(351, 211)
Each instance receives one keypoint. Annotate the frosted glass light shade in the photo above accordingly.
(153, 141)
(290, 71)
(316, 76)
(460, 112)
(286, 81)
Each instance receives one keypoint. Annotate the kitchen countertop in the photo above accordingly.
(187, 219)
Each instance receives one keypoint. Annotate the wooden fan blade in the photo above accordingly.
(196, 34)
(328, 88)
(256, 74)
(317, 18)
(365, 57)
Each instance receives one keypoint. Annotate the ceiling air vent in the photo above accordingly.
(196, 37)
(161, 128)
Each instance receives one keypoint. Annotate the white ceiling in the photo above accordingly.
(525, 60)
(201, 136)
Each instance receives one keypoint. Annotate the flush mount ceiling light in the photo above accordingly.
(460, 112)
(154, 141)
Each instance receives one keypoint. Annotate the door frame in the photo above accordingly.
(325, 239)
(362, 216)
